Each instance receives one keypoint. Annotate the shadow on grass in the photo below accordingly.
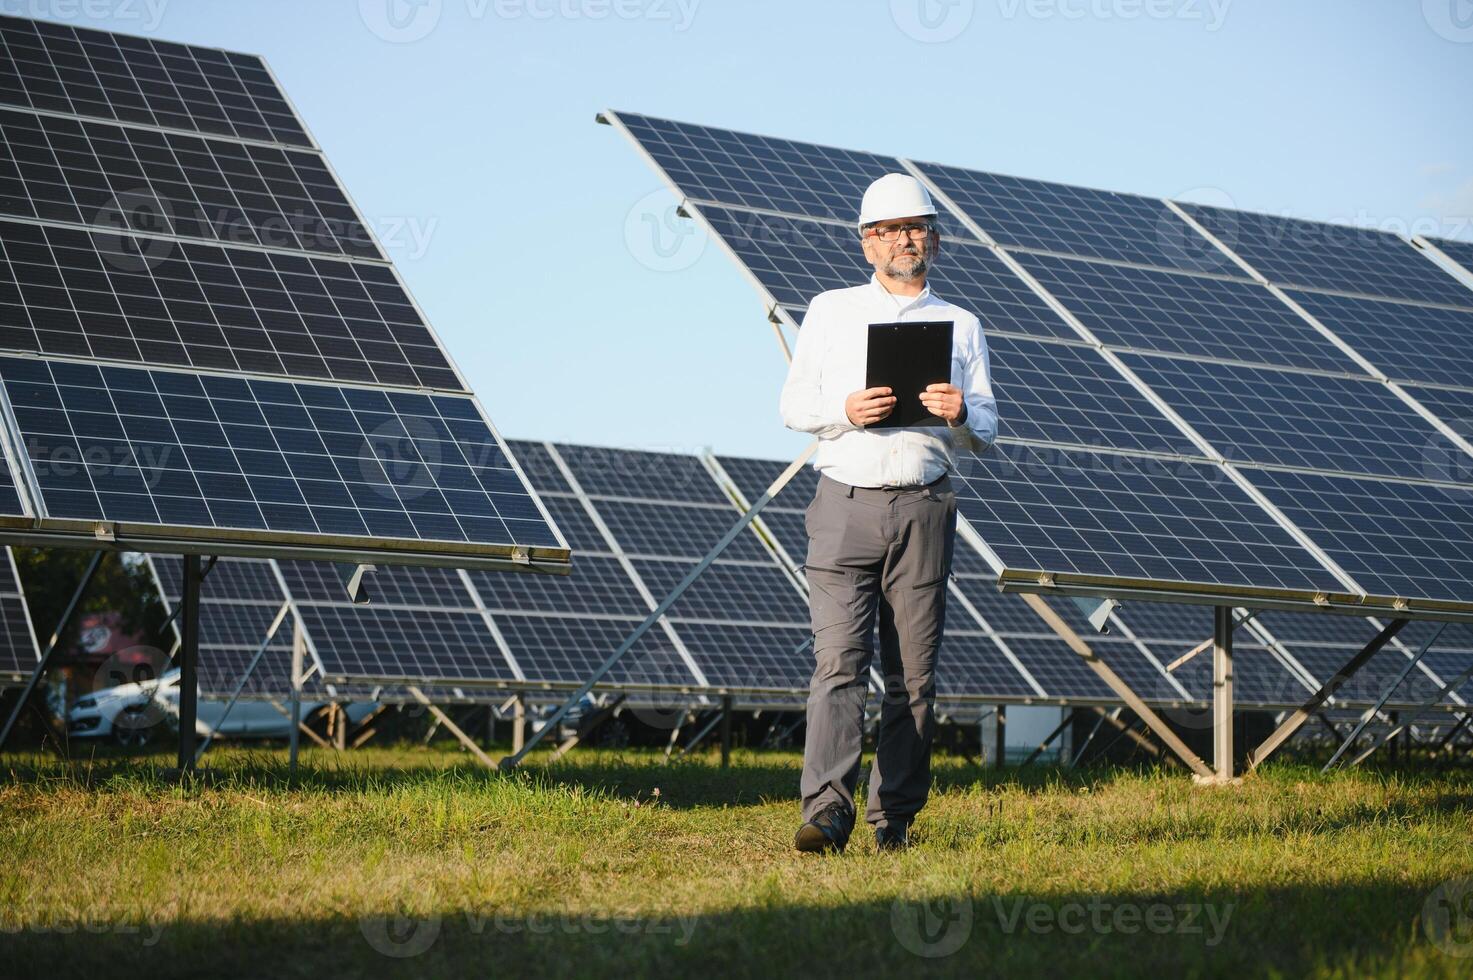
(1370, 929)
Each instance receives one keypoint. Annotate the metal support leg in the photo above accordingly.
(1222, 691)
(454, 729)
(1000, 738)
(1084, 746)
(1302, 714)
(726, 731)
(1115, 683)
(189, 663)
(518, 723)
(1385, 696)
(51, 645)
(299, 649)
(700, 736)
(1068, 720)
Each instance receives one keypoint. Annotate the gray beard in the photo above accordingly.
(907, 268)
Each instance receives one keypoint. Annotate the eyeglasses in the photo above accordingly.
(892, 233)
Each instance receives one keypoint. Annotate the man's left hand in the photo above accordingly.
(945, 401)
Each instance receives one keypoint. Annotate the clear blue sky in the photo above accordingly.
(480, 134)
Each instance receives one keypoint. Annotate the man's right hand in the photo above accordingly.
(869, 406)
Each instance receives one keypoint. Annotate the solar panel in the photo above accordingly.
(569, 648)
(758, 593)
(19, 652)
(758, 171)
(1121, 517)
(1174, 313)
(1315, 421)
(1068, 393)
(398, 644)
(1052, 217)
(1404, 540)
(58, 68)
(71, 292)
(1408, 341)
(156, 448)
(1459, 252)
(1296, 252)
(970, 664)
(195, 449)
(751, 657)
(79, 171)
(599, 586)
(795, 259)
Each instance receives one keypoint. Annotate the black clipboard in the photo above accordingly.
(906, 357)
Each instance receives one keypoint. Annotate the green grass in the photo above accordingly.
(615, 862)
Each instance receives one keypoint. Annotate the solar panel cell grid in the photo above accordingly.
(971, 664)
(1405, 540)
(727, 591)
(389, 585)
(1074, 220)
(751, 657)
(1314, 421)
(1407, 341)
(1068, 393)
(59, 68)
(169, 448)
(598, 586)
(1295, 252)
(99, 294)
(641, 475)
(1123, 517)
(1175, 313)
(366, 641)
(676, 531)
(758, 171)
(88, 172)
(568, 650)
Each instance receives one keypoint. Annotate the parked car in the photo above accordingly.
(130, 714)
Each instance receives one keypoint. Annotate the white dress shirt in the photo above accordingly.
(829, 365)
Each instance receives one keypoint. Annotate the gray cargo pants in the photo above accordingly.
(887, 552)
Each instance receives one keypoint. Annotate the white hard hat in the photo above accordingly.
(894, 196)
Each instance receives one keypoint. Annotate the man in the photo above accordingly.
(880, 527)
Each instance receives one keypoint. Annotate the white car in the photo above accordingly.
(130, 714)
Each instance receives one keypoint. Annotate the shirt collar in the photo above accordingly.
(922, 297)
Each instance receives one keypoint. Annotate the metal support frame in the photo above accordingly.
(452, 727)
(1447, 743)
(700, 736)
(1042, 746)
(726, 712)
(518, 721)
(286, 608)
(299, 649)
(1222, 691)
(44, 663)
(1381, 702)
(658, 613)
(1128, 731)
(1303, 713)
(1100, 723)
(1000, 737)
(301, 728)
(1116, 684)
(189, 663)
(589, 724)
